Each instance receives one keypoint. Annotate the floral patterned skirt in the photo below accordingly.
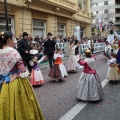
(113, 74)
(72, 63)
(18, 101)
(89, 87)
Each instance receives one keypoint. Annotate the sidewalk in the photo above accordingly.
(44, 66)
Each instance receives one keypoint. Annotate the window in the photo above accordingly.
(96, 12)
(10, 23)
(85, 4)
(39, 28)
(105, 2)
(106, 11)
(80, 4)
(82, 32)
(61, 29)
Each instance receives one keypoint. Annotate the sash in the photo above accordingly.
(6, 78)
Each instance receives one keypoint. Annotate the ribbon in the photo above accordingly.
(6, 78)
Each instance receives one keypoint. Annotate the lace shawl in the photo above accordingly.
(8, 59)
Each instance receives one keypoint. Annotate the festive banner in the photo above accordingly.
(100, 24)
(106, 26)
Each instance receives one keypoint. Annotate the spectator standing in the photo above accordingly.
(91, 44)
(49, 46)
(24, 49)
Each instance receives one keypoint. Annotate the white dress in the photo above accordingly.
(72, 63)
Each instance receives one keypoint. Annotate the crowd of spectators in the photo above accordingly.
(38, 42)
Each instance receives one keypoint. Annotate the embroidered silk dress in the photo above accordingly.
(89, 85)
(113, 71)
(17, 98)
(36, 75)
(58, 71)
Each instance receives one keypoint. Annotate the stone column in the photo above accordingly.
(83, 5)
(88, 7)
(52, 24)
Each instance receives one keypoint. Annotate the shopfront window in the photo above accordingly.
(61, 29)
(39, 28)
(3, 23)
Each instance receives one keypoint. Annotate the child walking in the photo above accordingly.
(36, 75)
(58, 71)
(89, 85)
(113, 71)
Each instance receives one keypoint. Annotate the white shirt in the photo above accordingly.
(116, 35)
(113, 60)
(89, 43)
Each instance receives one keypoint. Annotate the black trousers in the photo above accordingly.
(92, 50)
(50, 59)
(26, 64)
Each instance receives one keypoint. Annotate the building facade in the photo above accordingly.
(38, 17)
(107, 10)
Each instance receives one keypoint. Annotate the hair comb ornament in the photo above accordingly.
(2, 33)
(87, 51)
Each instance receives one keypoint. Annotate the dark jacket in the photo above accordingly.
(77, 48)
(22, 47)
(49, 46)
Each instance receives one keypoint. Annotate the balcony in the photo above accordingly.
(117, 23)
(117, 15)
(66, 5)
(117, 6)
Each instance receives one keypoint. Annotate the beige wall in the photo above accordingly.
(70, 16)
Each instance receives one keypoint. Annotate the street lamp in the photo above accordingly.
(6, 15)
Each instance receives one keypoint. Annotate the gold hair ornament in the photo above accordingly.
(2, 33)
(87, 51)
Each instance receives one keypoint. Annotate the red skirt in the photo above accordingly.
(36, 77)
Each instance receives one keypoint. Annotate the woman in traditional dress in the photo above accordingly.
(89, 85)
(36, 74)
(17, 98)
(72, 65)
(58, 71)
(113, 71)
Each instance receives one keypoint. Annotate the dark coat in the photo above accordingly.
(22, 47)
(49, 46)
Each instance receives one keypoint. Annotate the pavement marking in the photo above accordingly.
(77, 108)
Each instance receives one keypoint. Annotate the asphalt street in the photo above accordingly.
(57, 98)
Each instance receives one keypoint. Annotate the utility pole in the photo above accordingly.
(6, 15)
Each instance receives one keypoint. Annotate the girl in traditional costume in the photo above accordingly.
(113, 70)
(17, 98)
(115, 47)
(72, 64)
(58, 71)
(89, 85)
(36, 75)
(107, 51)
